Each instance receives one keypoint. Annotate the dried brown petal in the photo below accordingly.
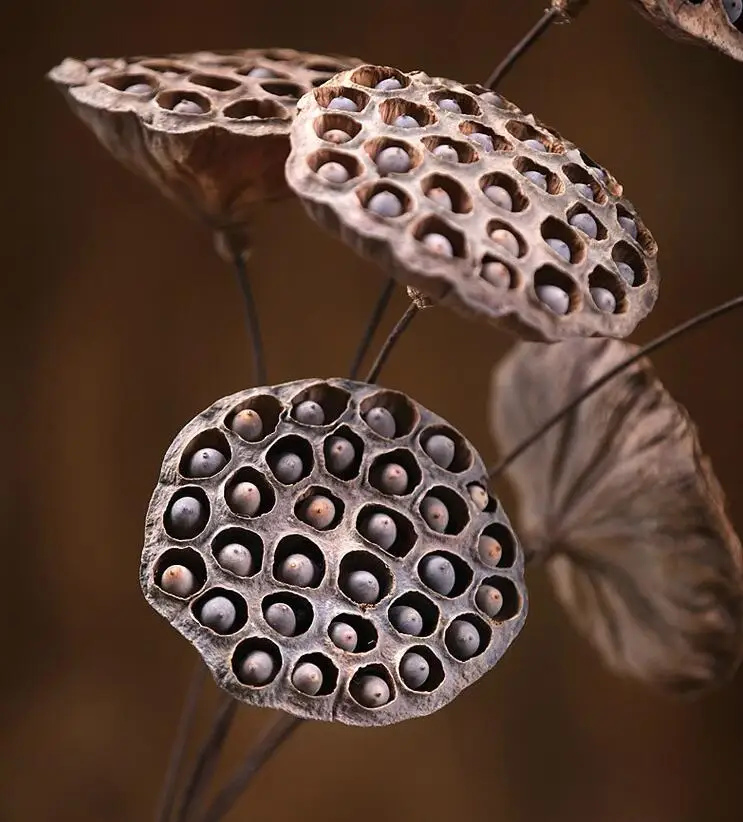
(622, 505)
(706, 23)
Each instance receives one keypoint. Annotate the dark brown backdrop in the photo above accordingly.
(122, 324)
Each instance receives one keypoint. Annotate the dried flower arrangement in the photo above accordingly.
(331, 548)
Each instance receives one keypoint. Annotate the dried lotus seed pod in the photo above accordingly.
(332, 598)
(714, 23)
(209, 130)
(463, 197)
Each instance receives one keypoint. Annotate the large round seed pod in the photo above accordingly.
(209, 129)
(456, 192)
(714, 23)
(331, 550)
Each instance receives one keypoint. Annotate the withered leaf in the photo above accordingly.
(703, 23)
(621, 504)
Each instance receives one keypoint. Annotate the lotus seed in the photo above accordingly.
(319, 512)
(179, 581)
(497, 274)
(499, 196)
(333, 173)
(414, 670)
(371, 691)
(245, 499)
(297, 569)
(363, 587)
(485, 141)
(281, 618)
(489, 550)
(554, 297)
(138, 88)
(393, 159)
(309, 412)
(539, 179)
(307, 678)
(462, 639)
(733, 9)
(248, 425)
(261, 73)
(187, 107)
(206, 462)
(438, 573)
(185, 517)
(440, 197)
(446, 152)
(438, 244)
(629, 225)
(406, 619)
(405, 121)
(492, 98)
(219, 614)
(440, 449)
(339, 455)
(386, 204)
(507, 239)
(435, 514)
(381, 530)
(257, 668)
(535, 145)
(479, 496)
(288, 468)
(584, 190)
(448, 104)
(489, 600)
(586, 223)
(380, 420)
(343, 636)
(336, 135)
(388, 84)
(560, 246)
(342, 104)
(627, 273)
(393, 479)
(604, 299)
(235, 558)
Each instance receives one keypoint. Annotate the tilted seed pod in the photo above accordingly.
(497, 215)
(338, 618)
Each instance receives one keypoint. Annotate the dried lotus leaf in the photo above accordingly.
(621, 504)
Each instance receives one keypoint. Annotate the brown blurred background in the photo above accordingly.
(122, 324)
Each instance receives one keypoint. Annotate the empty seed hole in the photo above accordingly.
(396, 473)
(420, 603)
(249, 494)
(221, 610)
(539, 176)
(393, 202)
(467, 637)
(205, 456)
(256, 662)
(138, 83)
(581, 178)
(456, 244)
(372, 687)
(449, 100)
(324, 67)
(447, 448)
(343, 451)
(184, 102)
(287, 613)
(556, 290)
(497, 180)
(447, 192)
(364, 578)
(445, 149)
(445, 573)
(283, 89)
(483, 137)
(319, 508)
(180, 572)
(291, 569)
(213, 81)
(413, 678)
(238, 551)
(496, 546)
(165, 67)
(402, 113)
(624, 253)
(506, 238)
(305, 675)
(444, 511)
(388, 530)
(187, 513)
(255, 110)
(607, 292)
(566, 243)
(255, 418)
(353, 633)
(333, 127)
(325, 96)
(290, 459)
(372, 76)
(500, 604)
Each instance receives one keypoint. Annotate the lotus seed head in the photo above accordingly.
(297, 569)
(206, 462)
(438, 244)
(554, 297)
(560, 246)
(385, 203)
(381, 421)
(179, 581)
(371, 691)
(333, 173)
(342, 104)
(235, 558)
(307, 678)
(406, 619)
(440, 449)
(281, 618)
(438, 574)
(435, 514)
(248, 425)
(489, 600)
(219, 614)
(245, 499)
(604, 299)
(309, 412)
(414, 670)
(344, 636)
(363, 587)
(257, 668)
(381, 530)
(393, 159)
(462, 639)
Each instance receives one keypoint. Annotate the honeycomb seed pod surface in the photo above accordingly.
(334, 571)
(209, 129)
(497, 215)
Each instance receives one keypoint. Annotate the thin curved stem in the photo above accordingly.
(527, 41)
(207, 760)
(644, 351)
(391, 340)
(251, 318)
(371, 328)
(186, 720)
(276, 734)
